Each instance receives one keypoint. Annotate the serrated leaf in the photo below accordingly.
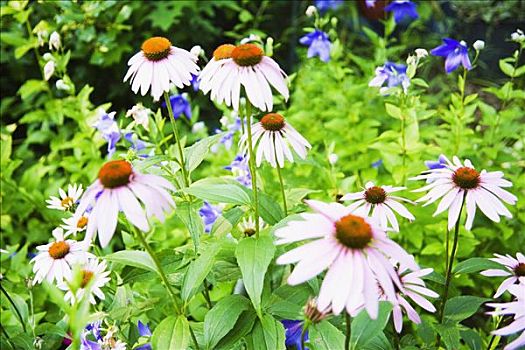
(254, 255)
(134, 258)
(172, 333)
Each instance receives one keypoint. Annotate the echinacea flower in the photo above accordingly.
(209, 214)
(94, 276)
(55, 260)
(293, 333)
(517, 309)
(458, 183)
(318, 45)
(240, 168)
(272, 137)
(513, 269)
(402, 9)
(140, 115)
(455, 53)
(120, 187)
(157, 65)
(393, 74)
(68, 200)
(381, 202)
(343, 239)
(107, 126)
(247, 226)
(179, 105)
(415, 290)
(243, 65)
(75, 224)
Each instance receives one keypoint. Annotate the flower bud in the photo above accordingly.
(48, 56)
(54, 41)
(333, 158)
(198, 127)
(311, 10)
(478, 45)
(49, 69)
(61, 85)
(420, 53)
(196, 50)
(517, 36)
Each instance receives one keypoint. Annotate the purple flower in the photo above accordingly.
(179, 105)
(440, 163)
(370, 3)
(195, 82)
(325, 5)
(377, 164)
(239, 167)
(144, 331)
(86, 344)
(209, 214)
(293, 330)
(402, 9)
(227, 139)
(393, 74)
(455, 53)
(107, 125)
(136, 143)
(319, 45)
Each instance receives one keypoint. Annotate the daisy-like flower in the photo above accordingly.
(157, 65)
(414, 289)
(247, 226)
(75, 224)
(382, 204)
(95, 276)
(343, 239)
(513, 269)
(55, 259)
(272, 137)
(516, 308)
(68, 200)
(120, 187)
(458, 182)
(244, 65)
(455, 53)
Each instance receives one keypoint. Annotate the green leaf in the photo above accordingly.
(459, 308)
(220, 191)
(288, 301)
(188, 213)
(326, 336)
(172, 333)
(225, 223)
(222, 318)
(475, 265)
(380, 342)
(267, 334)
(364, 329)
(449, 335)
(243, 326)
(393, 111)
(134, 258)
(269, 210)
(254, 256)
(31, 87)
(197, 271)
(194, 155)
(472, 339)
(506, 68)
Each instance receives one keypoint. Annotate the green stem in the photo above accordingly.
(6, 337)
(253, 168)
(14, 307)
(447, 248)
(177, 139)
(160, 270)
(194, 338)
(303, 334)
(459, 127)
(206, 294)
(348, 331)
(281, 181)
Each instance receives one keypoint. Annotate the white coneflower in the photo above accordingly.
(94, 276)
(67, 200)
(157, 65)
(513, 269)
(244, 65)
(119, 187)
(55, 260)
(455, 183)
(75, 224)
(382, 204)
(272, 137)
(342, 239)
(247, 226)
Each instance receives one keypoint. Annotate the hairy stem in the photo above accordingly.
(177, 139)
(281, 181)
(251, 162)
(348, 330)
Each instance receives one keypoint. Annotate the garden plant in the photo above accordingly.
(262, 175)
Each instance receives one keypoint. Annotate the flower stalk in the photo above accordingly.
(181, 161)
(281, 182)
(251, 162)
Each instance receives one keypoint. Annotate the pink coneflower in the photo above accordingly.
(342, 240)
(516, 308)
(157, 65)
(243, 65)
(514, 269)
(273, 137)
(382, 204)
(457, 182)
(120, 187)
(415, 289)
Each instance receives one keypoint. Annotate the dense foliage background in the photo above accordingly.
(47, 142)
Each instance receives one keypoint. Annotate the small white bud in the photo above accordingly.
(517, 36)
(47, 56)
(49, 69)
(311, 10)
(411, 60)
(478, 45)
(420, 53)
(333, 158)
(198, 127)
(54, 41)
(61, 85)
(463, 43)
(251, 38)
(196, 50)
